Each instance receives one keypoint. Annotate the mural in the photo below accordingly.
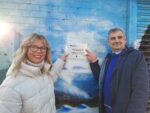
(64, 22)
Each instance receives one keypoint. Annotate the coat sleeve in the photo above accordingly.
(10, 100)
(139, 93)
(95, 67)
(56, 69)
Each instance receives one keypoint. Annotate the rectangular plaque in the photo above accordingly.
(76, 51)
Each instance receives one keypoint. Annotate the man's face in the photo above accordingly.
(116, 41)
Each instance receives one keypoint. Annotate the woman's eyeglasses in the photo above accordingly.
(36, 48)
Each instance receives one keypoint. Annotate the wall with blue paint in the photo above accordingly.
(62, 22)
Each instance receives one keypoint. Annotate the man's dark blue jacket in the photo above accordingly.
(128, 84)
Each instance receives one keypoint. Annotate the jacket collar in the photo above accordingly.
(125, 51)
(32, 71)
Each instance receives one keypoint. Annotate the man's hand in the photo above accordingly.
(92, 57)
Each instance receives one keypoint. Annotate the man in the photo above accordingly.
(122, 77)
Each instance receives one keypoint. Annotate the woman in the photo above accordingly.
(29, 85)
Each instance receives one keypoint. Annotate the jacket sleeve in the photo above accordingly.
(10, 100)
(56, 69)
(139, 93)
(95, 67)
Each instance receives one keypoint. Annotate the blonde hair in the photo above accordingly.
(20, 54)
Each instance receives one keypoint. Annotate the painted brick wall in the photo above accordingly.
(26, 15)
(38, 15)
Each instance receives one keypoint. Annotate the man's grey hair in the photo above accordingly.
(114, 30)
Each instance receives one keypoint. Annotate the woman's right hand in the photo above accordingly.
(64, 57)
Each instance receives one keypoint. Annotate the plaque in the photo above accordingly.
(76, 51)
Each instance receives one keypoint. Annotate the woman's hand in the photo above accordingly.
(64, 57)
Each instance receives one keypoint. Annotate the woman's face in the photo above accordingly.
(37, 51)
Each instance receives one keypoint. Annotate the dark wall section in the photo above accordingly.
(145, 48)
